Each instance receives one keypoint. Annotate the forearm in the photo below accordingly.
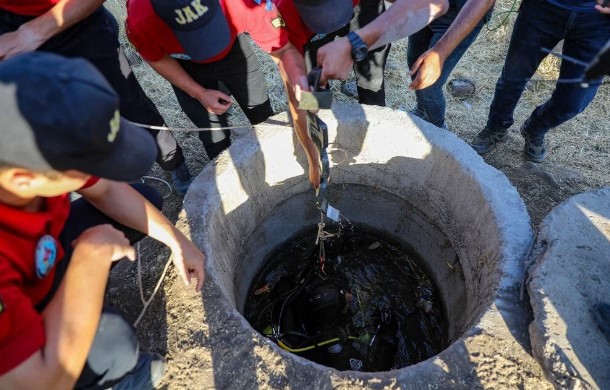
(299, 121)
(177, 76)
(72, 317)
(402, 19)
(467, 19)
(125, 205)
(63, 15)
(292, 69)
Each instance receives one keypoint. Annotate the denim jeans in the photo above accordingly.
(542, 25)
(431, 100)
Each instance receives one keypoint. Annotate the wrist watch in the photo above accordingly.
(359, 48)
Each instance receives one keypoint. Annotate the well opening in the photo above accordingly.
(372, 208)
(417, 184)
(394, 221)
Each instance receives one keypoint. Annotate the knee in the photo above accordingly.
(259, 113)
(115, 349)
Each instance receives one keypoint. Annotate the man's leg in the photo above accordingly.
(215, 141)
(431, 100)
(241, 72)
(369, 73)
(534, 29)
(585, 37)
(537, 26)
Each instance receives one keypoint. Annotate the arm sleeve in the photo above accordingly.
(21, 326)
(136, 30)
(91, 182)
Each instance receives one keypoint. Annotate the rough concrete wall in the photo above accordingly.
(472, 203)
(571, 275)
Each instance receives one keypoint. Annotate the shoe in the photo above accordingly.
(487, 139)
(601, 315)
(146, 375)
(534, 149)
(181, 177)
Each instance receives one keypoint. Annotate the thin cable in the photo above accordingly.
(169, 186)
(310, 347)
(140, 273)
(152, 296)
(197, 129)
(562, 57)
(511, 10)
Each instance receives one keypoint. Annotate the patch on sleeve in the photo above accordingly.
(278, 22)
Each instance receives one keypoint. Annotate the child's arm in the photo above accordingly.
(125, 205)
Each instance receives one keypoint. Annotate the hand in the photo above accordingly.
(336, 60)
(299, 86)
(604, 9)
(17, 42)
(428, 68)
(215, 101)
(105, 237)
(189, 261)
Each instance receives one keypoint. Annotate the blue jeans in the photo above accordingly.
(431, 100)
(541, 24)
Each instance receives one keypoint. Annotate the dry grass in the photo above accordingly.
(582, 143)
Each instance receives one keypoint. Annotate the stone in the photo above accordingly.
(461, 88)
(570, 276)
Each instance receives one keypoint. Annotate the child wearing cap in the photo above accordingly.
(198, 44)
(62, 132)
(83, 28)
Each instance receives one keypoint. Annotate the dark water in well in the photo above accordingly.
(387, 314)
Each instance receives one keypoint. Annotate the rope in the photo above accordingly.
(196, 129)
(152, 296)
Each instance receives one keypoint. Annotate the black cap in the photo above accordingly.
(199, 25)
(61, 114)
(325, 16)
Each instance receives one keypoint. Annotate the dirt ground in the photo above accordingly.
(578, 161)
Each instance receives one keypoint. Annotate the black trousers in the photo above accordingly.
(240, 73)
(369, 72)
(115, 349)
(95, 38)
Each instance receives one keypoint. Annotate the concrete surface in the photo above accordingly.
(570, 276)
(383, 154)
